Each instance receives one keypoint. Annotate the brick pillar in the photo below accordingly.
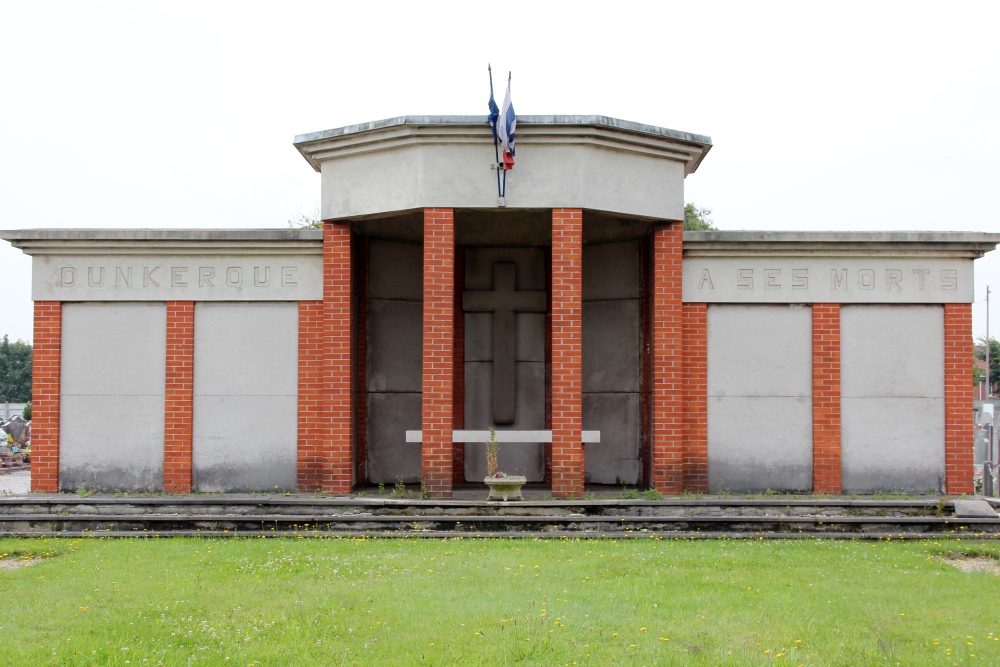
(438, 351)
(313, 427)
(46, 367)
(338, 384)
(458, 385)
(667, 362)
(827, 466)
(695, 353)
(567, 352)
(179, 398)
(958, 426)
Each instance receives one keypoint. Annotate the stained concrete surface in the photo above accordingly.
(112, 396)
(17, 483)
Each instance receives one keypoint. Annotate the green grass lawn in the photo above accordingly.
(495, 602)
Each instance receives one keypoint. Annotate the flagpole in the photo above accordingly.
(496, 150)
(502, 167)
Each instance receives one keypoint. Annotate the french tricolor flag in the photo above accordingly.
(505, 126)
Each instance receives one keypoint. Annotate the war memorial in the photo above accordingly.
(605, 344)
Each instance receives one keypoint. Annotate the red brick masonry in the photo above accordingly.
(46, 371)
(338, 366)
(668, 427)
(958, 426)
(567, 352)
(179, 398)
(438, 351)
(826, 397)
(695, 351)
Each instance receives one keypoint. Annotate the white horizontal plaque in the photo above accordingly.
(177, 278)
(827, 280)
(505, 436)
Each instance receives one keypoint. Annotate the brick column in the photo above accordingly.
(695, 353)
(667, 361)
(827, 465)
(179, 398)
(313, 426)
(338, 366)
(438, 351)
(458, 384)
(958, 426)
(46, 367)
(567, 352)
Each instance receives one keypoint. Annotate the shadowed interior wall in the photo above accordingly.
(612, 368)
(759, 398)
(245, 396)
(395, 318)
(113, 385)
(526, 459)
(892, 379)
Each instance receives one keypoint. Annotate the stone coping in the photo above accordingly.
(695, 243)
(936, 243)
(303, 499)
(522, 122)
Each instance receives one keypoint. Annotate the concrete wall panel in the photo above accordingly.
(390, 457)
(892, 382)
(756, 443)
(617, 459)
(245, 396)
(112, 402)
(395, 358)
(529, 262)
(395, 270)
(530, 333)
(548, 176)
(759, 398)
(611, 271)
(759, 351)
(892, 351)
(515, 458)
(893, 444)
(394, 345)
(612, 346)
(244, 443)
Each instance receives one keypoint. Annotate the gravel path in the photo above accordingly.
(17, 483)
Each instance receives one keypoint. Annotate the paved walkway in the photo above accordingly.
(17, 483)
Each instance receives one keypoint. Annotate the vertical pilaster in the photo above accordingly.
(46, 367)
(667, 361)
(958, 426)
(438, 351)
(314, 428)
(827, 462)
(338, 358)
(179, 398)
(567, 352)
(458, 384)
(695, 353)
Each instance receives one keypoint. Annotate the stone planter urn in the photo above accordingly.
(504, 488)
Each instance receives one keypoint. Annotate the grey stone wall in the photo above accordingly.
(515, 458)
(394, 376)
(245, 396)
(892, 398)
(759, 398)
(612, 361)
(112, 396)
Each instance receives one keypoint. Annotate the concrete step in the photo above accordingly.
(68, 515)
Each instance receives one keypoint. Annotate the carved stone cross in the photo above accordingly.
(504, 302)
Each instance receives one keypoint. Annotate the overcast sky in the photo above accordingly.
(824, 116)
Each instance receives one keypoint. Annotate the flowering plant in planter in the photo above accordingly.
(502, 486)
(492, 451)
